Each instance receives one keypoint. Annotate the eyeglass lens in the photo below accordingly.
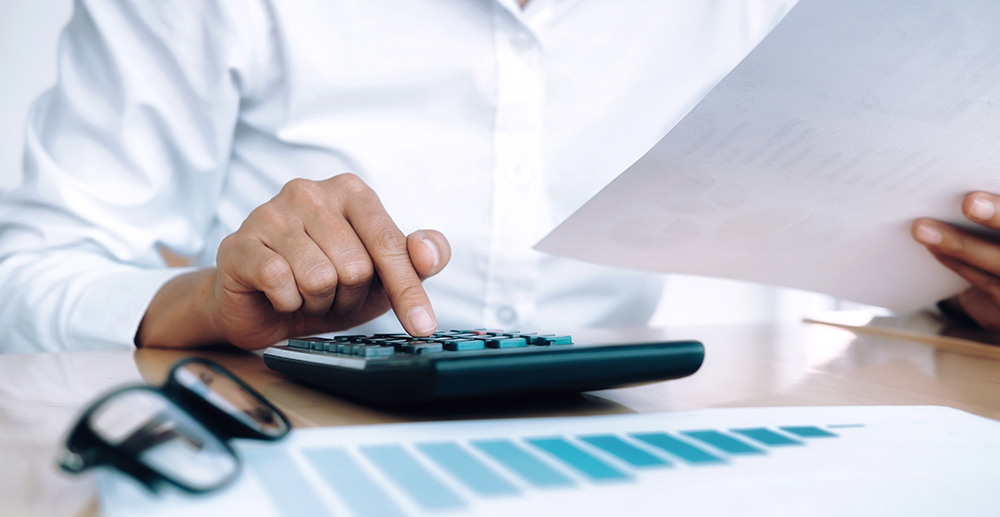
(163, 437)
(231, 397)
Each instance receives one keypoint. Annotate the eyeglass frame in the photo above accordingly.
(84, 449)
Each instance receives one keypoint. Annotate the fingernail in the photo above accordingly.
(434, 250)
(421, 320)
(981, 209)
(928, 235)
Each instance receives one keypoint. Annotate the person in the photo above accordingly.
(285, 148)
(298, 152)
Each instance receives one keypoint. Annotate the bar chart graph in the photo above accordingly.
(827, 461)
(426, 473)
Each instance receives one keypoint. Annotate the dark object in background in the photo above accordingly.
(176, 434)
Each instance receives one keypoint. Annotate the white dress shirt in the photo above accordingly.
(173, 119)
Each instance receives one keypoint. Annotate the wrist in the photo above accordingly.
(182, 313)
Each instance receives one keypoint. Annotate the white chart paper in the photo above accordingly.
(807, 164)
(915, 460)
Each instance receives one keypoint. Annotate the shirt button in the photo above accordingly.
(520, 175)
(506, 315)
(522, 41)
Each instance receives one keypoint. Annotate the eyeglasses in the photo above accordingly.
(176, 434)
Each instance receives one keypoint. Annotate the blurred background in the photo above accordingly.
(29, 32)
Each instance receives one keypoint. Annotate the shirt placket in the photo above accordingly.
(520, 208)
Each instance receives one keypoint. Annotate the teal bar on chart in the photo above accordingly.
(724, 442)
(285, 484)
(356, 488)
(767, 437)
(679, 448)
(523, 463)
(573, 456)
(625, 451)
(467, 469)
(413, 478)
(808, 431)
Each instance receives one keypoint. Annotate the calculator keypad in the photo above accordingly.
(391, 345)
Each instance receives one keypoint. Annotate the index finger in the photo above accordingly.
(981, 207)
(387, 247)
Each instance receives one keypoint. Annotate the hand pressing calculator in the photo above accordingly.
(397, 368)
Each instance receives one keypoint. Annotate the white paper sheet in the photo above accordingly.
(807, 164)
(915, 460)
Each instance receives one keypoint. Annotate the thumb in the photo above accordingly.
(429, 252)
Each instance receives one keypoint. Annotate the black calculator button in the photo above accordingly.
(462, 345)
(419, 347)
(349, 338)
(537, 340)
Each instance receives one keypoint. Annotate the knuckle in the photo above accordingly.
(409, 293)
(267, 214)
(390, 242)
(351, 185)
(298, 186)
(273, 273)
(356, 272)
(319, 281)
(304, 191)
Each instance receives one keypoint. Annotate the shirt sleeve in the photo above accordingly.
(126, 154)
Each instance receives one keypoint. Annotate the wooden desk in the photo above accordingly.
(769, 365)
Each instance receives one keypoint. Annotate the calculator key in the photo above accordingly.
(461, 345)
(539, 340)
(318, 344)
(379, 345)
(349, 338)
(299, 343)
(420, 347)
(507, 342)
(375, 351)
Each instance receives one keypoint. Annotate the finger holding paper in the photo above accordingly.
(974, 258)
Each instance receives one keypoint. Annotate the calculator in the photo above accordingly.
(456, 364)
